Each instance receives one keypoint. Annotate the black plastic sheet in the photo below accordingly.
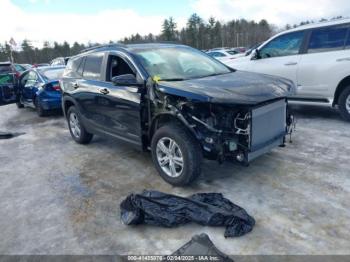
(211, 209)
(5, 135)
(201, 245)
(9, 135)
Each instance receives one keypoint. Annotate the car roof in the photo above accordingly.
(319, 24)
(47, 68)
(128, 48)
(5, 63)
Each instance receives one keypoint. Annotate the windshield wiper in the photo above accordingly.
(173, 79)
(215, 74)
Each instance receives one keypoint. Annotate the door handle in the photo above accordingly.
(343, 59)
(104, 91)
(290, 63)
(75, 85)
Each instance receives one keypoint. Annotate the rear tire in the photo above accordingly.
(39, 109)
(19, 104)
(76, 128)
(344, 103)
(176, 154)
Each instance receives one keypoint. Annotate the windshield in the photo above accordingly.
(52, 74)
(178, 63)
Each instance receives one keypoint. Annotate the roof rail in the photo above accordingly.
(101, 46)
(154, 42)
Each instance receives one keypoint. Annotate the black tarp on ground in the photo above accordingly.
(212, 209)
(8, 135)
(5, 135)
(201, 245)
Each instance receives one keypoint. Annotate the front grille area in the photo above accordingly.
(268, 124)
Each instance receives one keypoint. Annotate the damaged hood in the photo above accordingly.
(238, 87)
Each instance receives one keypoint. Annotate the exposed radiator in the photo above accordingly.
(268, 124)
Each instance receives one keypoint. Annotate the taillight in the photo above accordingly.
(53, 87)
(56, 87)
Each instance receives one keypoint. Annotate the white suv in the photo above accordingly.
(316, 57)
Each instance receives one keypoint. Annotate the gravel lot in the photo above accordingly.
(58, 197)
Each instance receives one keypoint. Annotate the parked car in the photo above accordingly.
(240, 49)
(26, 66)
(40, 65)
(225, 55)
(315, 57)
(7, 83)
(177, 102)
(19, 69)
(39, 88)
(59, 61)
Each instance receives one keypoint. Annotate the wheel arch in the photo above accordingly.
(67, 103)
(168, 117)
(345, 82)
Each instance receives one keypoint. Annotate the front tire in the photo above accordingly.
(344, 103)
(76, 128)
(176, 154)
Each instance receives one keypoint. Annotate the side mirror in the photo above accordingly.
(125, 80)
(255, 55)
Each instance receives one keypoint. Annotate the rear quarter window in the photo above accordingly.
(73, 67)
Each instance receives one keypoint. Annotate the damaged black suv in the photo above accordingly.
(177, 102)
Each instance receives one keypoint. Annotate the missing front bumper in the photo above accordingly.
(268, 128)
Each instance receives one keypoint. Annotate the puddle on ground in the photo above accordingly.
(76, 194)
(8, 135)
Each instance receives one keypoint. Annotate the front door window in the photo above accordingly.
(284, 45)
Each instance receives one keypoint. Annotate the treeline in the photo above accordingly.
(203, 34)
(33, 55)
(197, 33)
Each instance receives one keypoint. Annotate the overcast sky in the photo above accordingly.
(104, 20)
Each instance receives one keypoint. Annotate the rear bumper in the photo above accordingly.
(51, 100)
(51, 103)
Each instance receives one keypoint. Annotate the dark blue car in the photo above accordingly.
(40, 88)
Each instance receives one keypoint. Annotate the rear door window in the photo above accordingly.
(80, 68)
(327, 39)
(92, 68)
